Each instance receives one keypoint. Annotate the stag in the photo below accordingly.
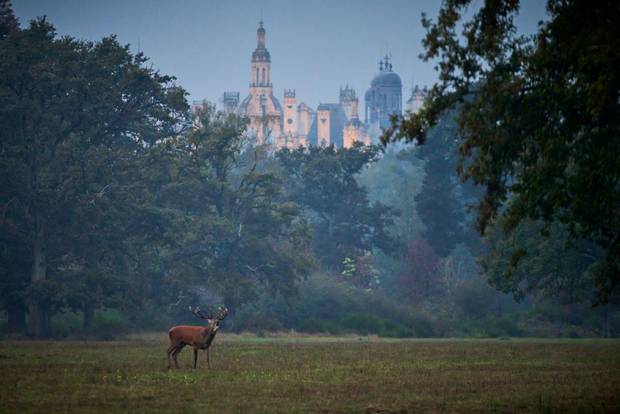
(198, 337)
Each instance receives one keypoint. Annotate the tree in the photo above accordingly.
(323, 181)
(395, 180)
(548, 266)
(361, 272)
(75, 115)
(233, 232)
(8, 21)
(539, 117)
(420, 279)
(442, 202)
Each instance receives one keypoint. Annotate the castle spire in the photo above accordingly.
(260, 34)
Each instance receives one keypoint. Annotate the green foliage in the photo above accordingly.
(235, 231)
(361, 272)
(348, 267)
(111, 198)
(538, 117)
(330, 305)
(442, 201)
(395, 180)
(108, 324)
(323, 182)
(77, 116)
(547, 264)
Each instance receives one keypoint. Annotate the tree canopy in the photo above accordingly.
(539, 117)
(75, 117)
(324, 182)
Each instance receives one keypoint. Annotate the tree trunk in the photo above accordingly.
(89, 314)
(605, 321)
(498, 297)
(38, 316)
(17, 318)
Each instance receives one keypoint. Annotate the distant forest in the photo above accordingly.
(120, 207)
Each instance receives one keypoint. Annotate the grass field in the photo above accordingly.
(297, 374)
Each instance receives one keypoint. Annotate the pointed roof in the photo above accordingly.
(261, 54)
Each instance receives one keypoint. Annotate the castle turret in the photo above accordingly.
(416, 100)
(230, 102)
(349, 102)
(290, 115)
(304, 115)
(261, 60)
(261, 106)
(323, 130)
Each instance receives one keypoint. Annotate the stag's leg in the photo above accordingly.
(169, 352)
(208, 362)
(195, 357)
(176, 352)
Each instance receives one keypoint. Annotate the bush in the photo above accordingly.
(475, 299)
(363, 323)
(108, 324)
(64, 324)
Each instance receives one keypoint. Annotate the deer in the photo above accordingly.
(198, 337)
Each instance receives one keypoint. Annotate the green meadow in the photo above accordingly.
(292, 374)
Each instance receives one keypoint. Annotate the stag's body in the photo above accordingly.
(198, 337)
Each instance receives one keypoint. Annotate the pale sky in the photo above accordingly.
(316, 46)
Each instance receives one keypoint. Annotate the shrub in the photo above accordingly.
(64, 324)
(108, 324)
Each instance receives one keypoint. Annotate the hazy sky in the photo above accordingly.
(316, 46)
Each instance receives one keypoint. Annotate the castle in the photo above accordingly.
(296, 124)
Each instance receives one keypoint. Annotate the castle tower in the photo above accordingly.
(349, 102)
(290, 115)
(416, 100)
(261, 60)
(323, 129)
(260, 106)
(304, 115)
(230, 102)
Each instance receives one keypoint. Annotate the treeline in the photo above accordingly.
(119, 208)
(115, 196)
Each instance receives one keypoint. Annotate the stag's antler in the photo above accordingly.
(223, 312)
(198, 314)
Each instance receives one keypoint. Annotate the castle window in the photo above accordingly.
(263, 75)
(289, 121)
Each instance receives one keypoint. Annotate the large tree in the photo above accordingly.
(74, 116)
(539, 117)
(324, 182)
(443, 200)
(233, 232)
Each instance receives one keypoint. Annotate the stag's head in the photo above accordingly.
(213, 322)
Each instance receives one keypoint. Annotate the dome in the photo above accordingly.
(389, 79)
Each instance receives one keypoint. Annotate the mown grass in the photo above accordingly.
(298, 374)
